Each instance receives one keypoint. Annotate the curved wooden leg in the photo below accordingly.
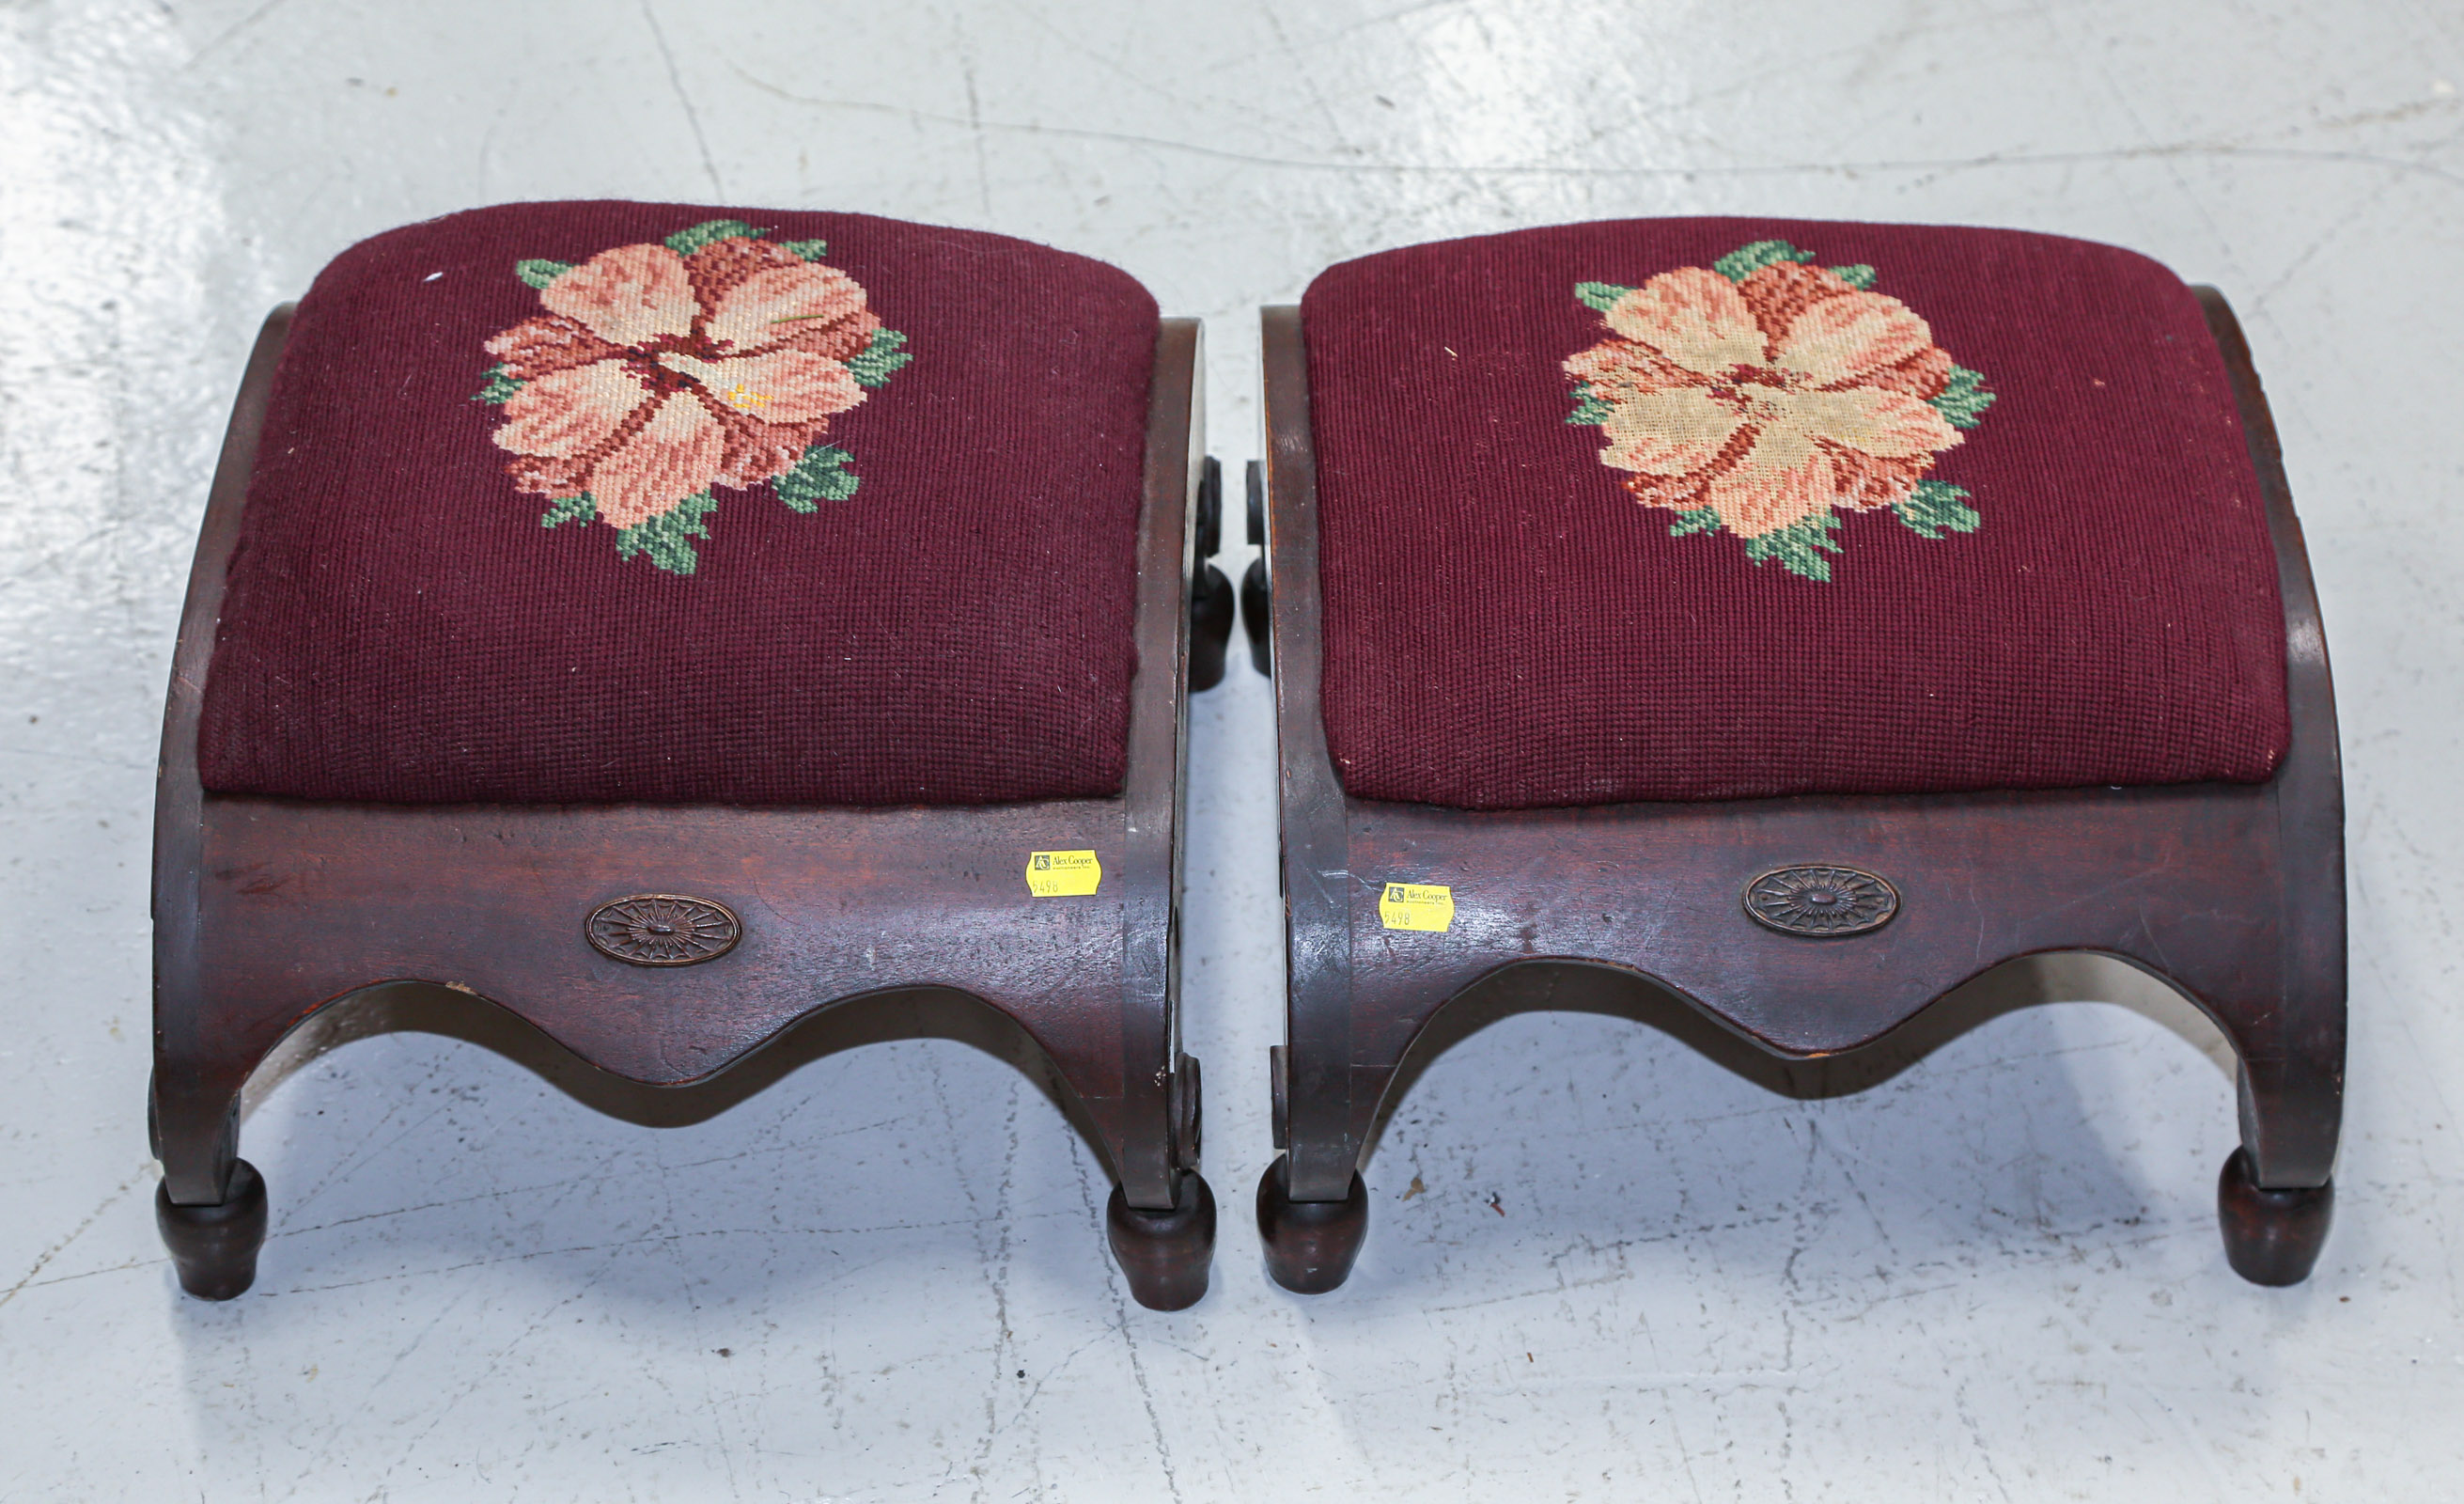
(1165, 1255)
(2275, 1195)
(1161, 1220)
(210, 1207)
(1310, 1244)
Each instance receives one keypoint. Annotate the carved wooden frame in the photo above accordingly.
(2231, 893)
(269, 912)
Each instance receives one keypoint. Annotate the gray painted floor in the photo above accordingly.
(1603, 1268)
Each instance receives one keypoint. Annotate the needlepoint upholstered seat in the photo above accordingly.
(665, 621)
(1805, 617)
(572, 502)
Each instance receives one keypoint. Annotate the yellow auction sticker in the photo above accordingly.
(1417, 906)
(1063, 875)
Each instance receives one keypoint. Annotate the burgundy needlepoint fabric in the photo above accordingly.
(1726, 508)
(608, 501)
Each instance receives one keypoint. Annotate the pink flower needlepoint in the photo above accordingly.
(655, 372)
(1764, 395)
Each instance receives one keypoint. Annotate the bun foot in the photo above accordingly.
(2271, 1237)
(1165, 1255)
(1310, 1244)
(214, 1248)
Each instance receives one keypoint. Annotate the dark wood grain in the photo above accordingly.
(2271, 1237)
(2233, 894)
(269, 911)
(1212, 608)
(1164, 1256)
(1321, 1065)
(1310, 1246)
(214, 1247)
(2292, 1083)
(206, 1150)
(1257, 607)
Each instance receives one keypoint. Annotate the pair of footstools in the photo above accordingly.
(670, 625)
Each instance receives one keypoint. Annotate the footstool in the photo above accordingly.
(1804, 619)
(666, 623)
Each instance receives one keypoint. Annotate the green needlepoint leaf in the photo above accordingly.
(1598, 295)
(881, 359)
(1747, 260)
(569, 509)
(685, 242)
(809, 250)
(1962, 403)
(499, 390)
(537, 273)
(1702, 520)
(1857, 276)
(1799, 547)
(820, 475)
(668, 538)
(1935, 505)
(1589, 408)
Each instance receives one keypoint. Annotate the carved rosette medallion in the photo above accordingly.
(663, 929)
(1822, 900)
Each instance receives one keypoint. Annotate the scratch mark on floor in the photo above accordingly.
(675, 80)
(2159, 152)
(1128, 1339)
(231, 31)
(145, 1171)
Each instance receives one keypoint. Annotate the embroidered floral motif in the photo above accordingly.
(1765, 395)
(658, 371)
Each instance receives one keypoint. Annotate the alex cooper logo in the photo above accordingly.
(1042, 862)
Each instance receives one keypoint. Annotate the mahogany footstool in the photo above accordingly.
(1803, 619)
(666, 623)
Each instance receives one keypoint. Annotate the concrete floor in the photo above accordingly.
(1603, 1268)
